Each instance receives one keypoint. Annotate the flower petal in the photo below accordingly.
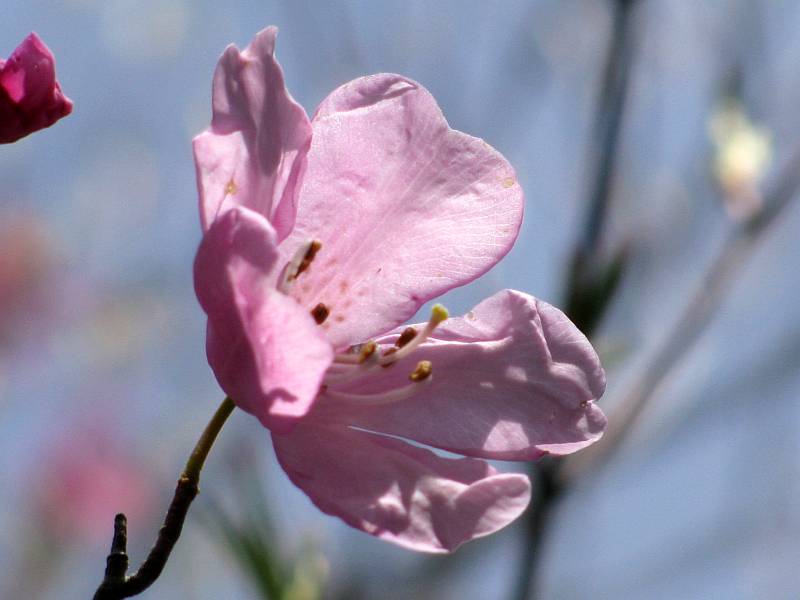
(265, 350)
(405, 207)
(512, 380)
(254, 153)
(30, 96)
(398, 492)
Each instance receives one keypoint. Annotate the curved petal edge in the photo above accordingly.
(419, 208)
(265, 350)
(398, 492)
(254, 152)
(513, 379)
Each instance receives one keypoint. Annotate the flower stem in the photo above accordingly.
(198, 456)
(116, 584)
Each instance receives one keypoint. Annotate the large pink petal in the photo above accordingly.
(405, 207)
(266, 351)
(254, 153)
(512, 380)
(398, 492)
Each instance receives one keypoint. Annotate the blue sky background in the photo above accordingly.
(702, 499)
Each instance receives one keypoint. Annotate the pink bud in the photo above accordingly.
(30, 97)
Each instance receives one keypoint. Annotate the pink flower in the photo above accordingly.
(30, 97)
(320, 238)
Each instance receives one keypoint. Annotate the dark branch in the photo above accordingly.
(116, 584)
(590, 284)
(710, 293)
(117, 561)
(546, 491)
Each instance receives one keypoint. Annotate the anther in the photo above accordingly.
(348, 358)
(412, 342)
(308, 258)
(320, 312)
(300, 262)
(367, 350)
(422, 371)
(409, 333)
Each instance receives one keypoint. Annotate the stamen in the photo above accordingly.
(438, 314)
(395, 395)
(367, 350)
(320, 312)
(309, 256)
(422, 371)
(300, 262)
(346, 359)
(406, 343)
(409, 333)
(389, 352)
(364, 362)
(350, 357)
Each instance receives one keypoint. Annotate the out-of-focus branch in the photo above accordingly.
(591, 281)
(709, 295)
(611, 106)
(116, 584)
(556, 475)
(590, 284)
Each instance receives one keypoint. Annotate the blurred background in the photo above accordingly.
(658, 142)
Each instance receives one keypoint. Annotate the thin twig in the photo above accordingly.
(608, 126)
(709, 295)
(698, 313)
(602, 159)
(116, 584)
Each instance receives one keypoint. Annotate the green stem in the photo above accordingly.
(198, 456)
(116, 584)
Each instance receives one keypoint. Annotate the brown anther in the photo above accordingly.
(422, 371)
(313, 248)
(320, 312)
(409, 333)
(367, 350)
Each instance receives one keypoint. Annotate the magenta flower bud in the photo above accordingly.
(30, 97)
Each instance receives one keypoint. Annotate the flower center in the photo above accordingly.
(366, 359)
